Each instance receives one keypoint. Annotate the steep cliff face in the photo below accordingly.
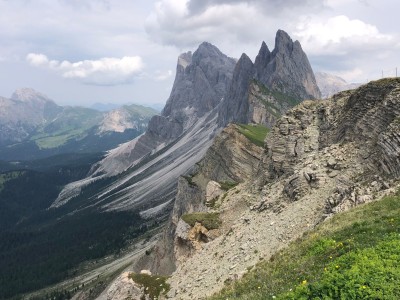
(322, 157)
(263, 91)
(126, 117)
(200, 84)
(233, 107)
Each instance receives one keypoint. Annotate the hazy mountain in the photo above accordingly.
(33, 126)
(330, 84)
(105, 106)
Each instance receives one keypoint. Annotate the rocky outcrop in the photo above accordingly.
(125, 288)
(231, 158)
(330, 84)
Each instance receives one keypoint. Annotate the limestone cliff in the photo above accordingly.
(201, 82)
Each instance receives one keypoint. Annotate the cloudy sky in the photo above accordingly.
(79, 52)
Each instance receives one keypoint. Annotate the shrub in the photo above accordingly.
(153, 286)
(208, 220)
(254, 133)
(227, 185)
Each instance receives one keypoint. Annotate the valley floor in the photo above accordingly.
(95, 277)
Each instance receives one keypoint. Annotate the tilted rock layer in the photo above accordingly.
(323, 157)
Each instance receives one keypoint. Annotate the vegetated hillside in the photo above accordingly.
(321, 158)
(354, 255)
(33, 126)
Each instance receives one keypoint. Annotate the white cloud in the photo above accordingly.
(235, 26)
(352, 75)
(163, 75)
(340, 35)
(105, 71)
(171, 23)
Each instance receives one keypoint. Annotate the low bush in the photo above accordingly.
(208, 220)
(153, 285)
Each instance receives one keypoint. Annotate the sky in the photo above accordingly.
(79, 52)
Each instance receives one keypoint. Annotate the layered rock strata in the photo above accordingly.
(322, 158)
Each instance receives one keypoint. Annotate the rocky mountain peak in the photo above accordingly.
(264, 54)
(206, 50)
(288, 70)
(277, 80)
(261, 62)
(283, 42)
(201, 82)
(28, 95)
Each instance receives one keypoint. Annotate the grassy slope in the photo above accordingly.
(139, 111)
(73, 123)
(355, 255)
(208, 220)
(255, 133)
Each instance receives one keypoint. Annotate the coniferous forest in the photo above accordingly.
(40, 246)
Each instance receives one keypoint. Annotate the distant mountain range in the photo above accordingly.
(330, 84)
(110, 106)
(33, 126)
